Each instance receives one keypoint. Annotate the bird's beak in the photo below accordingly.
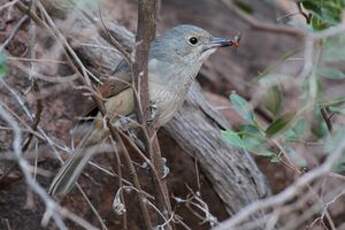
(216, 42)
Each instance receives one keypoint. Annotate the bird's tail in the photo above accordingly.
(72, 168)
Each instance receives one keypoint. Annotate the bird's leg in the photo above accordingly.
(154, 114)
(128, 125)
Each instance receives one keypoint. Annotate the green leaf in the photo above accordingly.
(331, 144)
(325, 13)
(297, 131)
(233, 138)
(242, 107)
(330, 73)
(318, 124)
(336, 109)
(333, 140)
(334, 49)
(272, 100)
(244, 6)
(256, 145)
(295, 157)
(279, 125)
(275, 158)
(3, 68)
(249, 130)
(251, 142)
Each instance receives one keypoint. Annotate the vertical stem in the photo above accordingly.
(146, 31)
(147, 17)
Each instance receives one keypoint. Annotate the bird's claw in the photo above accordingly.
(154, 114)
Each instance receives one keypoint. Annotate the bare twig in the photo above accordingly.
(119, 173)
(8, 4)
(14, 32)
(51, 207)
(287, 194)
(307, 16)
(262, 26)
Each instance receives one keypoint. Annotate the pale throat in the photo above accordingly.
(207, 53)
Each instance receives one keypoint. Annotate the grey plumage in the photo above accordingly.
(175, 59)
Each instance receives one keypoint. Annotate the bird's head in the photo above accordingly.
(186, 43)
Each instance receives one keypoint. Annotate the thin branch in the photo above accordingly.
(286, 194)
(13, 33)
(263, 26)
(117, 168)
(51, 207)
(307, 16)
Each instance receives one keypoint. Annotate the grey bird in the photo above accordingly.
(175, 59)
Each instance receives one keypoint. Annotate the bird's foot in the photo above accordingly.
(154, 114)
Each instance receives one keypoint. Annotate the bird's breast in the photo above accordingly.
(167, 100)
(168, 85)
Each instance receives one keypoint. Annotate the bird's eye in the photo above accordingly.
(193, 40)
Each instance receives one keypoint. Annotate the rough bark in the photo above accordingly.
(196, 128)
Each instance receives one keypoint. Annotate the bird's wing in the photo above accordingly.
(119, 82)
(120, 102)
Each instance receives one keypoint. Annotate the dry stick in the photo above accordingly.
(44, 137)
(147, 14)
(51, 206)
(117, 168)
(113, 41)
(156, 176)
(9, 4)
(133, 174)
(307, 16)
(114, 135)
(36, 121)
(56, 33)
(39, 106)
(263, 26)
(70, 54)
(286, 194)
(13, 33)
(37, 118)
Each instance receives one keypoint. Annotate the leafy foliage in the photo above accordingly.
(311, 122)
(242, 107)
(325, 13)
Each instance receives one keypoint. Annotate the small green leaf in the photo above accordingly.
(233, 138)
(244, 6)
(324, 13)
(334, 49)
(295, 157)
(242, 107)
(337, 109)
(333, 140)
(252, 142)
(275, 158)
(256, 145)
(3, 69)
(318, 124)
(249, 130)
(297, 131)
(331, 73)
(272, 100)
(280, 124)
(331, 144)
